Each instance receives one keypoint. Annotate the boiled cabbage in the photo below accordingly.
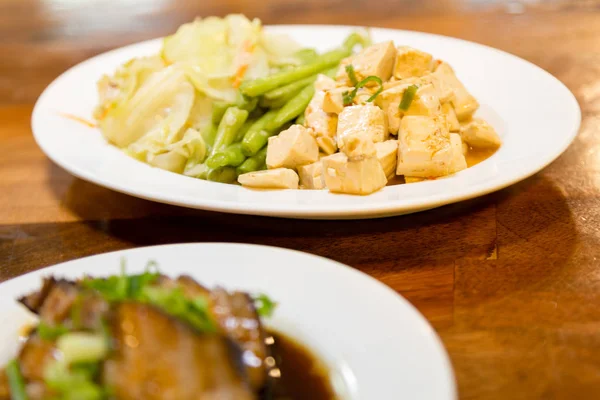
(179, 156)
(118, 88)
(159, 109)
(161, 106)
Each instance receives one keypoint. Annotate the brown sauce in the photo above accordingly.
(299, 375)
(475, 156)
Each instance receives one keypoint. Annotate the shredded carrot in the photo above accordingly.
(78, 119)
(247, 49)
(239, 76)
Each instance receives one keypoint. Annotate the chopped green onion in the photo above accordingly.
(173, 302)
(351, 74)
(75, 382)
(407, 97)
(122, 287)
(15, 381)
(50, 332)
(264, 305)
(140, 288)
(349, 97)
(82, 347)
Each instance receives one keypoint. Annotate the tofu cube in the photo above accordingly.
(322, 123)
(411, 63)
(341, 77)
(311, 176)
(292, 148)
(333, 101)
(424, 103)
(363, 176)
(377, 59)
(450, 114)
(326, 144)
(424, 148)
(387, 154)
(464, 103)
(459, 161)
(443, 93)
(279, 178)
(478, 133)
(324, 82)
(365, 119)
(358, 146)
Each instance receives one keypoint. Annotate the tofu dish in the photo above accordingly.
(148, 336)
(257, 109)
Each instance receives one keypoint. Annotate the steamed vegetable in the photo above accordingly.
(218, 89)
(254, 163)
(231, 123)
(262, 85)
(253, 140)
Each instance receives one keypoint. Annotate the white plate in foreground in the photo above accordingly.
(535, 114)
(376, 344)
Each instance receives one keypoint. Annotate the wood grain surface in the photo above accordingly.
(510, 281)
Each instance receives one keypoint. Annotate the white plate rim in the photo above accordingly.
(417, 320)
(353, 211)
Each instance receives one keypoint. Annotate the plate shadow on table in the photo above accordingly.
(425, 256)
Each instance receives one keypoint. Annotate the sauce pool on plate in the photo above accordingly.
(299, 375)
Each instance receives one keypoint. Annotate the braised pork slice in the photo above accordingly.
(157, 357)
(34, 356)
(4, 389)
(236, 316)
(53, 301)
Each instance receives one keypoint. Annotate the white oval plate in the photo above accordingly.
(377, 345)
(536, 115)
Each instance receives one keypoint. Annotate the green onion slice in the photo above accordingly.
(349, 96)
(351, 74)
(15, 381)
(408, 97)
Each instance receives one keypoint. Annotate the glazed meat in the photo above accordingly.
(169, 338)
(159, 357)
(53, 301)
(237, 317)
(34, 356)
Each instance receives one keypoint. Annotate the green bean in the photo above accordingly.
(249, 143)
(223, 175)
(293, 108)
(208, 133)
(306, 55)
(254, 163)
(290, 90)
(219, 107)
(248, 104)
(218, 110)
(257, 141)
(301, 119)
(263, 85)
(243, 130)
(230, 156)
(16, 382)
(354, 39)
(230, 124)
(271, 104)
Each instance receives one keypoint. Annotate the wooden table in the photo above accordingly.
(510, 281)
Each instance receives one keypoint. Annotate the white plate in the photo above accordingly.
(535, 114)
(377, 345)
